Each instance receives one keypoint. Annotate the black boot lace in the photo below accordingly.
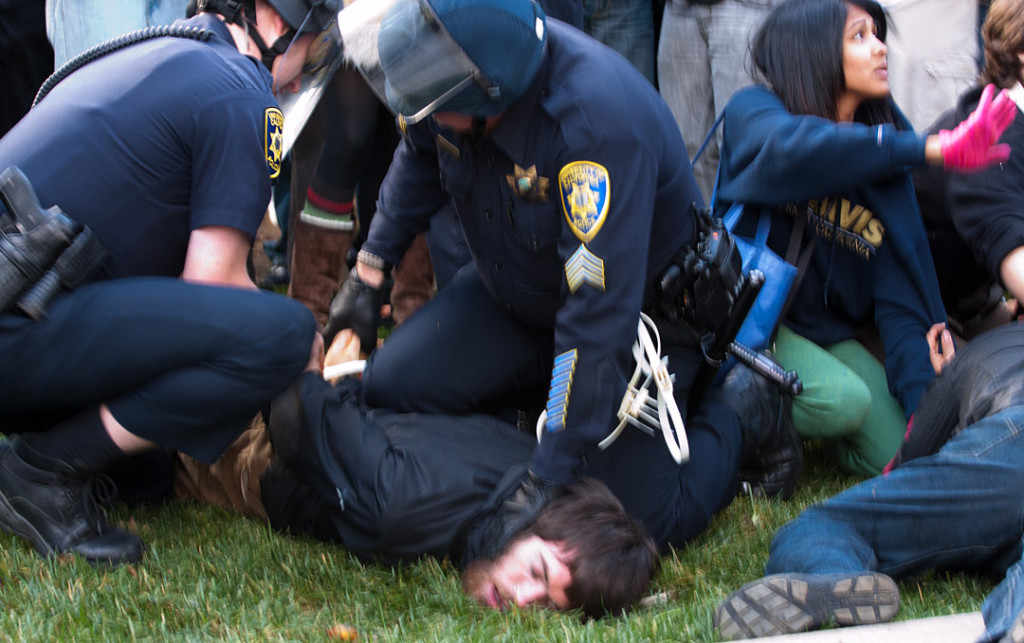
(96, 493)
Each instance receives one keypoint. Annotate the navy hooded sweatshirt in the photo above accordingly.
(871, 262)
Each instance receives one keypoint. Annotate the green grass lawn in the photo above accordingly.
(211, 575)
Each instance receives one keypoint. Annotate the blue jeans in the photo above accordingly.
(627, 26)
(962, 507)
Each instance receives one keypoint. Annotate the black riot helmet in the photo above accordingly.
(294, 12)
(306, 16)
(302, 16)
(310, 51)
(232, 10)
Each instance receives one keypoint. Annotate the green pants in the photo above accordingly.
(845, 401)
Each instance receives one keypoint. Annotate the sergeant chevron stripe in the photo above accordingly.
(561, 386)
(584, 267)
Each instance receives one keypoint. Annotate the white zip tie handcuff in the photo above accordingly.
(352, 367)
(638, 408)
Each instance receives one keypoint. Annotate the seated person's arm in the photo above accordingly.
(941, 348)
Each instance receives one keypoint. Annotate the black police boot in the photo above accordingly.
(772, 453)
(58, 510)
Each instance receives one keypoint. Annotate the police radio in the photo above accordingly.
(42, 252)
(706, 288)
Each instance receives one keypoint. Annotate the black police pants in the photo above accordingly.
(183, 365)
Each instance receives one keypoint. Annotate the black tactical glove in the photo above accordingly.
(515, 513)
(356, 306)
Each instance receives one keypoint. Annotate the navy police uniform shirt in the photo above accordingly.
(152, 141)
(571, 208)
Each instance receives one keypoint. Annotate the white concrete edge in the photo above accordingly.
(956, 628)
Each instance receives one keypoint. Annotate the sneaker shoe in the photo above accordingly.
(1016, 632)
(789, 603)
(59, 511)
(773, 454)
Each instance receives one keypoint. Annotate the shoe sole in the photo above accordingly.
(1016, 632)
(790, 603)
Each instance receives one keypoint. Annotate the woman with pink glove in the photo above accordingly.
(823, 136)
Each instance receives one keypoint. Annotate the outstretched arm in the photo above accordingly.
(973, 144)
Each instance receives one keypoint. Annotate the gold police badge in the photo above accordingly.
(527, 184)
(273, 139)
(585, 192)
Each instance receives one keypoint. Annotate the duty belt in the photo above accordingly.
(42, 252)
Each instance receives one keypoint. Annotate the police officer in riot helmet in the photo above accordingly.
(574, 191)
(128, 321)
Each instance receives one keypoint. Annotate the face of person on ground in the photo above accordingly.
(529, 572)
(865, 67)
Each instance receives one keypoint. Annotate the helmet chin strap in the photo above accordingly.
(268, 54)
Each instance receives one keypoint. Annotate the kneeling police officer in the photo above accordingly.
(160, 148)
(573, 188)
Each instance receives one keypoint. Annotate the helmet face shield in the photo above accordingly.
(302, 72)
(408, 57)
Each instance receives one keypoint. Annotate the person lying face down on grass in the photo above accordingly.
(393, 487)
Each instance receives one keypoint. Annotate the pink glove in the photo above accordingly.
(972, 145)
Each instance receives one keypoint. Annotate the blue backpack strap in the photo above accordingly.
(718, 170)
(732, 216)
(764, 223)
(707, 138)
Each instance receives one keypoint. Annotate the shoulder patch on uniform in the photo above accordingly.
(584, 267)
(585, 191)
(273, 141)
(561, 387)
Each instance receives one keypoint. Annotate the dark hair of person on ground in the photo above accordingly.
(612, 557)
(798, 49)
(1003, 32)
(582, 551)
